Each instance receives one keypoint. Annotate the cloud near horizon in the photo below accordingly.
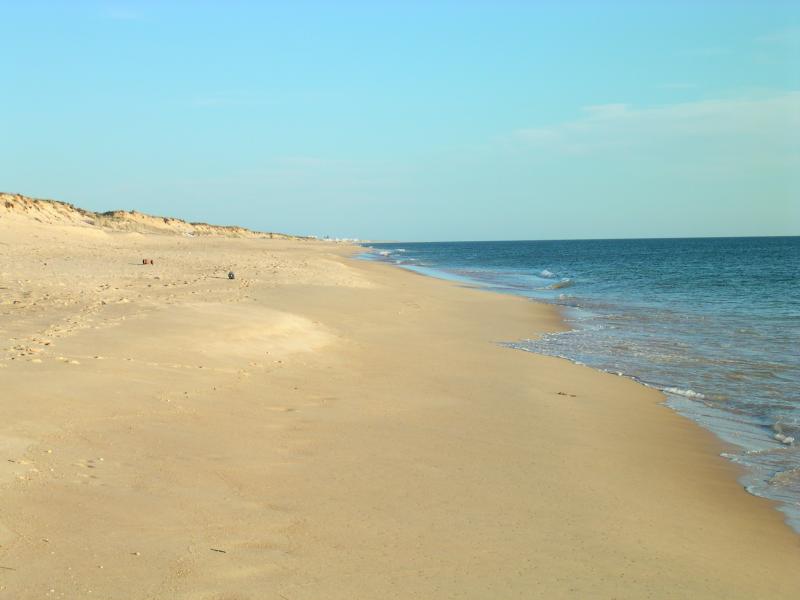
(788, 37)
(764, 129)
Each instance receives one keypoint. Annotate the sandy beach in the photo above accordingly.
(323, 427)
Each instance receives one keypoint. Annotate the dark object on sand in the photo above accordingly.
(145, 261)
(231, 275)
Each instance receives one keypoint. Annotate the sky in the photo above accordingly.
(411, 120)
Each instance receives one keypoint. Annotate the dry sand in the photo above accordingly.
(327, 428)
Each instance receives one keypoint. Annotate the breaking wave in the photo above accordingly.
(684, 393)
(560, 284)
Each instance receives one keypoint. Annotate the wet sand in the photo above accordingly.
(321, 427)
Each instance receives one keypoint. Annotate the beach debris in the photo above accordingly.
(218, 550)
(231, 275)
(147, 261)
(566, 394)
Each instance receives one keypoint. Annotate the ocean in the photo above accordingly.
(714, 323)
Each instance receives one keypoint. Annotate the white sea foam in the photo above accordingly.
(385, 252)
(547, 274)
(781, 433)
(560, 284)
(788, 477)
(684, 393)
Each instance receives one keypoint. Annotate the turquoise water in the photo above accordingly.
(713, 322)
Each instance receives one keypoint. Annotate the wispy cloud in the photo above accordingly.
(759, 129)
(677, 85)
(704, 52)
(317, 175)
(251, 98)
(788, 37)
(321, 172)
(118, 12)
(228, 98)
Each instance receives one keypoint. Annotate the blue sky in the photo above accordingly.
(412, 120)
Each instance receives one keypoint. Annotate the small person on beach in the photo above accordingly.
(231, 275)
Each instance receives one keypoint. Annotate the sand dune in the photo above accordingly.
(55, 212)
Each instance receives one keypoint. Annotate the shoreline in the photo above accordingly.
(327, 427)
(732, 450)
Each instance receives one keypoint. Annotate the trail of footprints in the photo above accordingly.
(90, 475)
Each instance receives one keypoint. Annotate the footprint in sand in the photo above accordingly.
(89, 463)
(68, 361)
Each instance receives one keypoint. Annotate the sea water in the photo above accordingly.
(714, 323)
